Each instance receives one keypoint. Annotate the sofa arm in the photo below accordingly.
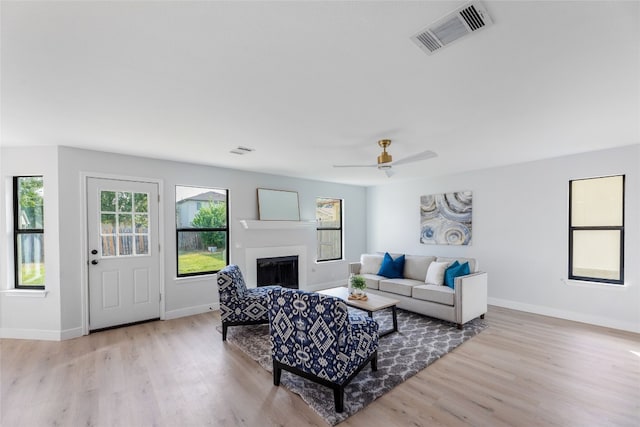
(354, 267)
(470, 296)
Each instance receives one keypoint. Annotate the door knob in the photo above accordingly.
(94, 262)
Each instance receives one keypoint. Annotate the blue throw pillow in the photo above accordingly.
(449, 272)
(455, 270)
(392, 268)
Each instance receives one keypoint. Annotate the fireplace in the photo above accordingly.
(282, 271)
(253, 254)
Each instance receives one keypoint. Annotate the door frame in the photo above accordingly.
(84, 244)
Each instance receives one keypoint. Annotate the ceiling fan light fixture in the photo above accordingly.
(384, 157)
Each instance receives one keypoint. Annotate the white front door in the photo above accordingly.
(124, 263)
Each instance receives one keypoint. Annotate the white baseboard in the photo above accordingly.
(326, 285)
(68, 334)
(567, 315)
(30, 334)
(190, 311)
(40, 334)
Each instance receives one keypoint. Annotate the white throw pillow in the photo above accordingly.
(435, 273)
(370, 263)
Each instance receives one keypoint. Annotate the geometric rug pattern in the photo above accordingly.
(420, 341)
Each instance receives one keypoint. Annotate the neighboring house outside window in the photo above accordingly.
(596, 229)
(202, 231)
(28, 232)
(329, 229)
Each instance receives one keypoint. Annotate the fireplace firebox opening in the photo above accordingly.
(282, 271)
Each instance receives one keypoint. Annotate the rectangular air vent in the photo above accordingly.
(461, 22)
(242, 150)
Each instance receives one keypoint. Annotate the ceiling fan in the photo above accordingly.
(385, 161)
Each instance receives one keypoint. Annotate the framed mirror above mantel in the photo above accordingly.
(278, 205)
(277, 210)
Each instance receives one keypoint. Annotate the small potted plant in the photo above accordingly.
(358, 284)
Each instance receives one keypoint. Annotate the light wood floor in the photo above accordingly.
(524, 370)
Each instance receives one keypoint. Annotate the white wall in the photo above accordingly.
(520, 234)
(30, 314)
(59, 315)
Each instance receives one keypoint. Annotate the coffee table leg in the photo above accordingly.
(395, 322)
(395, 319)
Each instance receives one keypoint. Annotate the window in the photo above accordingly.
(28, 232)
(124, 223)
(329, 218)
(202, 231)
(596, 229)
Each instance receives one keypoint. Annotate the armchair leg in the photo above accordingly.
(374, 362)
(224, 331)
(338, 398)
(482, 316)
(459, 325)
(277, 372)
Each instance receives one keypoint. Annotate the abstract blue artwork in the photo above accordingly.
(445, 219)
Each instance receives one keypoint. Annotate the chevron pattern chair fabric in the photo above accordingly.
(315, 336)
(239, 305)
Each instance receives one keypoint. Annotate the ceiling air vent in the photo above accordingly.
(242, 150)
(461, 22)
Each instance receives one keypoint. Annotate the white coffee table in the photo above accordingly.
(372, 304)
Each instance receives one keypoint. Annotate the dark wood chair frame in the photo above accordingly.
(338, 388)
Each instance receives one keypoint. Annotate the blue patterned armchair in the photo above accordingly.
(315, 336)
(239, 305)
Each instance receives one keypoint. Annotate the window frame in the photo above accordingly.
(619, 228)
(201, 230)
(17, 232)
(339, 228)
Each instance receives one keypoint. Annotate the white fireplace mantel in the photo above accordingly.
(254, 224)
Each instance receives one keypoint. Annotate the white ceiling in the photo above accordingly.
(312, 84)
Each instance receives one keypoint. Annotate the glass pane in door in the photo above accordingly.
(124, 223)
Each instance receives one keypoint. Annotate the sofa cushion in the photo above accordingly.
(435, 273)
(372, 280)
(370, 263)
(416, 266)
(434, 293)
(473, 264)
(392, 268)
(398, 286)
(455, 270)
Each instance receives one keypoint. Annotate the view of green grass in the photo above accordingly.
(32, 274)
(197, 261)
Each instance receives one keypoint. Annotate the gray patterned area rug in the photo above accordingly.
(420, 341)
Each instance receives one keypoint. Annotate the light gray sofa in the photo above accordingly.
(465, 302)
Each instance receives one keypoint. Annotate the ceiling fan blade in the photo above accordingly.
(416, 157)
(355, 166)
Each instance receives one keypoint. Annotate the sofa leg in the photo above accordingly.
(459, 325)
(374, 362)
(224, 331)
(482, 316)
(338, 398)
(277, 372)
